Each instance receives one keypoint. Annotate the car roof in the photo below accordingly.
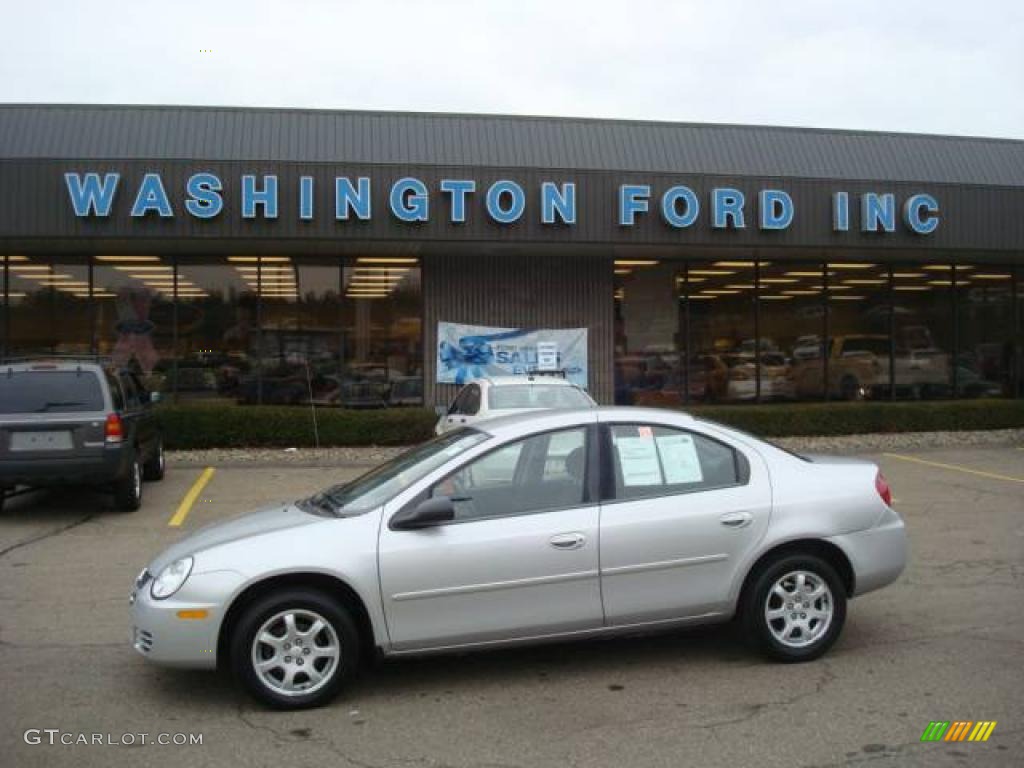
(51, 364)
(503, 381)
(540, 420)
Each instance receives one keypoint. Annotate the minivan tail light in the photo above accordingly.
(884, 491)
(114, 429)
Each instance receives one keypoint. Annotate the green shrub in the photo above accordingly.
(281, 426)
(801, 419)
(278, 426)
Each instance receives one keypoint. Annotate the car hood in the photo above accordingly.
(268, 520)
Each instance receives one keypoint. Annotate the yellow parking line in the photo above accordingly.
(190, 498)
(955, 468)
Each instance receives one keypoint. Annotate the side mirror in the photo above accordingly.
(428, 513)
(440, 410)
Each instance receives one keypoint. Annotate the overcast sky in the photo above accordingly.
(935, 67)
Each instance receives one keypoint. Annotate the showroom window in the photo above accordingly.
(859, 351)
(300, 330)
(648, 338)
(217, 330)
(49, 311)
(382, 333)
(986, 334)
(923, 328)
(133, 314)
(791, 321)
(722, 359)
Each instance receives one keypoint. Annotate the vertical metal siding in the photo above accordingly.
(514, 291)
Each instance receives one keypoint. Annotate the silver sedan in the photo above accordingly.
(523, 529)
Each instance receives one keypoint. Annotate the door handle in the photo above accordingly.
(568, 541)
(736, 519)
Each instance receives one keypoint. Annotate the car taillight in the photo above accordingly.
(114, 430)
(882, 486)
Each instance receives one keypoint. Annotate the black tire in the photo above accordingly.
(337, 619)
(128, 489)
(762, 632)
(153, 470)
(849, 388)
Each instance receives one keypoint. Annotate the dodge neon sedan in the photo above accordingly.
(542, 526)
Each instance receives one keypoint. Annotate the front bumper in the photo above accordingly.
(162, 633)
(878, 554)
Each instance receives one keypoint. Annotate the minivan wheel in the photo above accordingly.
(795, 608)
(154, 468)
(294, 649)
(128, 489)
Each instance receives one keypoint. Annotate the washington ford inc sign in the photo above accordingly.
(410, 200)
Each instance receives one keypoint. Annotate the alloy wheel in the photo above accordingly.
(296, 652)
(799, 609)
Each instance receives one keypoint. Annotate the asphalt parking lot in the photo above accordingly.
(945, 643)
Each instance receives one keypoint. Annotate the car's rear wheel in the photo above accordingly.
(154, 468)
(795, 608)
(295, 649)
(128, 489)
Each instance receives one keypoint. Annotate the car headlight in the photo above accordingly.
(171, 578)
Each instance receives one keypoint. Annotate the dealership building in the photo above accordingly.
(368, 259)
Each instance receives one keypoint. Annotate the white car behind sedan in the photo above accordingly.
(506, 395)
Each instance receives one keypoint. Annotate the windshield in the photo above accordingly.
(50, 392)
(537, 396)
(381, 484)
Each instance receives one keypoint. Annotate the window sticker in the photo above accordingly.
(646, 432)
(679, 456)
(638, 458)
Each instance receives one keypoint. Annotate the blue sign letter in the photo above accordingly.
(632, 200)
(922, 224)
(346, 198)
(204, 200)
(409, 201)
(152, 197)
(515, 209)
(458, 189)
(267, 197)
(726, 205)
(557, 201)
(91, 194)
(306, 198)
(841, 212)
(776, 208)
(670, 207)
(878, 210)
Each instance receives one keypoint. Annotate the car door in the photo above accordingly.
(519, 560)
(680, 511)
(134, 428)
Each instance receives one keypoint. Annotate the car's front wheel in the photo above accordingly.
(795, 608)
(295, 649)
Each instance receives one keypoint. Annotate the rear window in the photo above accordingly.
(49, 392)
(536, 396)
